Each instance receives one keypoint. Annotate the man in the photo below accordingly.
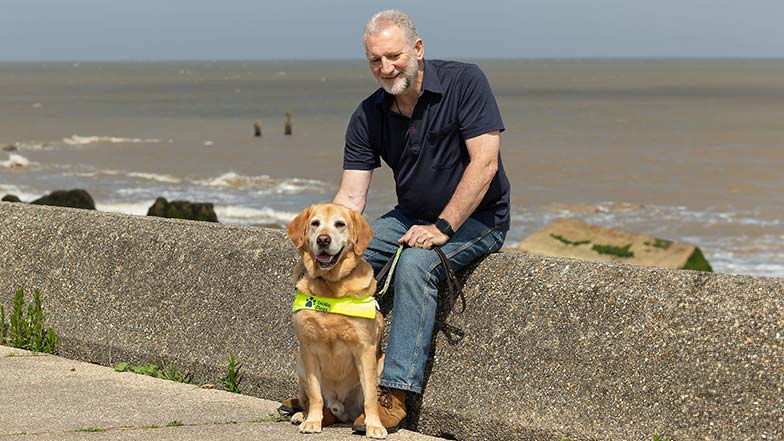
(437, 125)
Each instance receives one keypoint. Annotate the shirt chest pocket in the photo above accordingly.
(443, 146)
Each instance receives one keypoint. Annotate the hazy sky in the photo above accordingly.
(325, 29)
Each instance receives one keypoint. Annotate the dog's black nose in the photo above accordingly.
(323, 240)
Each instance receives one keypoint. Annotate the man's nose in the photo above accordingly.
(386, 66)
(323, 240)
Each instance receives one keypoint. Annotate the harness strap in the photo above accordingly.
(387, 271)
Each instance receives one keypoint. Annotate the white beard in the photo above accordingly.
(403, 81)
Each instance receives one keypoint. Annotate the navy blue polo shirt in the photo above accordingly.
(427, 152)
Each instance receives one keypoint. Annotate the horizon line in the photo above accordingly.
(359, 60)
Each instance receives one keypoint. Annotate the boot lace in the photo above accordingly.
(385, 397)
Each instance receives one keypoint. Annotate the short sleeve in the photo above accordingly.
(359, 153)
(479, 113)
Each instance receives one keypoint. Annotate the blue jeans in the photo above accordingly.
(415, 282)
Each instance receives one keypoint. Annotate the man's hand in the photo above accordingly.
(423, 236)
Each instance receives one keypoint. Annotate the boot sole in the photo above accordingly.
(288, 411)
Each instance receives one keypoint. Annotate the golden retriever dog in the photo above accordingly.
(340, 356)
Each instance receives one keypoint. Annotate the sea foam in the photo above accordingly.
(16, 161)
(135, 208)
(246, 215)
(169, 179)
(21, 192)
(266, 183)
(83, 140)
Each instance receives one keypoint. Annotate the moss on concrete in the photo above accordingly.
(569, 242)
(614, 251)
(697, 262)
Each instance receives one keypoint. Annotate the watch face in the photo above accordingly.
(444, 227)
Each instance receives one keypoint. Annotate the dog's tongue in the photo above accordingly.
(324, 257)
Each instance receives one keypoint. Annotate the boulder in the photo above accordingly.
(67, 198)
(581, 240)
(9, 148)
(183, 210)
(10, 198)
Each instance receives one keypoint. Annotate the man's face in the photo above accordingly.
(393, 62)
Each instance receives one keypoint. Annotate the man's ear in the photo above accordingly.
(361, 233)
(419, 49)
(298, 228)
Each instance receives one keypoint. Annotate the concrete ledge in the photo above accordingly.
(553, 347)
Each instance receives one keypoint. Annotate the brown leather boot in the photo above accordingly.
(391, 410)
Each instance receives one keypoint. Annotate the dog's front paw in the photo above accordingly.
(298, 418)
(310, 427)
(376, 432)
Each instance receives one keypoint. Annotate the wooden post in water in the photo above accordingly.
(287, 128)
(257, 129)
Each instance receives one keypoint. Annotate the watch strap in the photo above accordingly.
(445, 227)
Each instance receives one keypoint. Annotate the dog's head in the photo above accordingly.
(328, 236)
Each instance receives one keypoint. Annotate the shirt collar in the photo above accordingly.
(430, 83)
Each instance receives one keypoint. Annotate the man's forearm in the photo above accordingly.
(356, 203)
(354, 186)
(472, 187)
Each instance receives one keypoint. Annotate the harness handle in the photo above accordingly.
(455, 291)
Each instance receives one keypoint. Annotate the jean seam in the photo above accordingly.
(419, 342)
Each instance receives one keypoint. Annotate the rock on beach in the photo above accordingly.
(183, 210)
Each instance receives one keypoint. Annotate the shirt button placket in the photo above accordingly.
(413, 137)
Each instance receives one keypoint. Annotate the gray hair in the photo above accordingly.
(384, 19)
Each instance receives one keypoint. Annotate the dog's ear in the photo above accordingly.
(361, 233)
(298, 228)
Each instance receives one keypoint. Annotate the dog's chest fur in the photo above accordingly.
(323, 328)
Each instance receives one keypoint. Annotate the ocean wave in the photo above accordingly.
(22, 193)
(613, 213)
(83, 140)
(90, 174)
(30, 145)
(586, 208)
(135, 208)
(246, 215)
(226, 213)
(297, 185)
(266, 183)
(16, 161)
(169, 179)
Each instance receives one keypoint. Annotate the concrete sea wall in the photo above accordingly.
(552, 347)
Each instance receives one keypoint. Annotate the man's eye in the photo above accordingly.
(340, 224)
(315, 223)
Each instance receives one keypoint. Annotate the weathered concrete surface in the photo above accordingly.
(553, 347)
(577, 239)
(51, 398)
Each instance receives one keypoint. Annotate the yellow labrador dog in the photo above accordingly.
(340, 355)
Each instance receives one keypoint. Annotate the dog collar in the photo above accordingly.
(364, 308)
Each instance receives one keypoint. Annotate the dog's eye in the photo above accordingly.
(315, 223)
(340, 224)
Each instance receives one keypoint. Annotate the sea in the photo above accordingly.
(689, 150)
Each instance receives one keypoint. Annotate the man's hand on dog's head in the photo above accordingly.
(423, 236)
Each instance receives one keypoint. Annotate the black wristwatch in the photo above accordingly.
(444, 227)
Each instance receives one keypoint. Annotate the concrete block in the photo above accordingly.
(552, 347)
